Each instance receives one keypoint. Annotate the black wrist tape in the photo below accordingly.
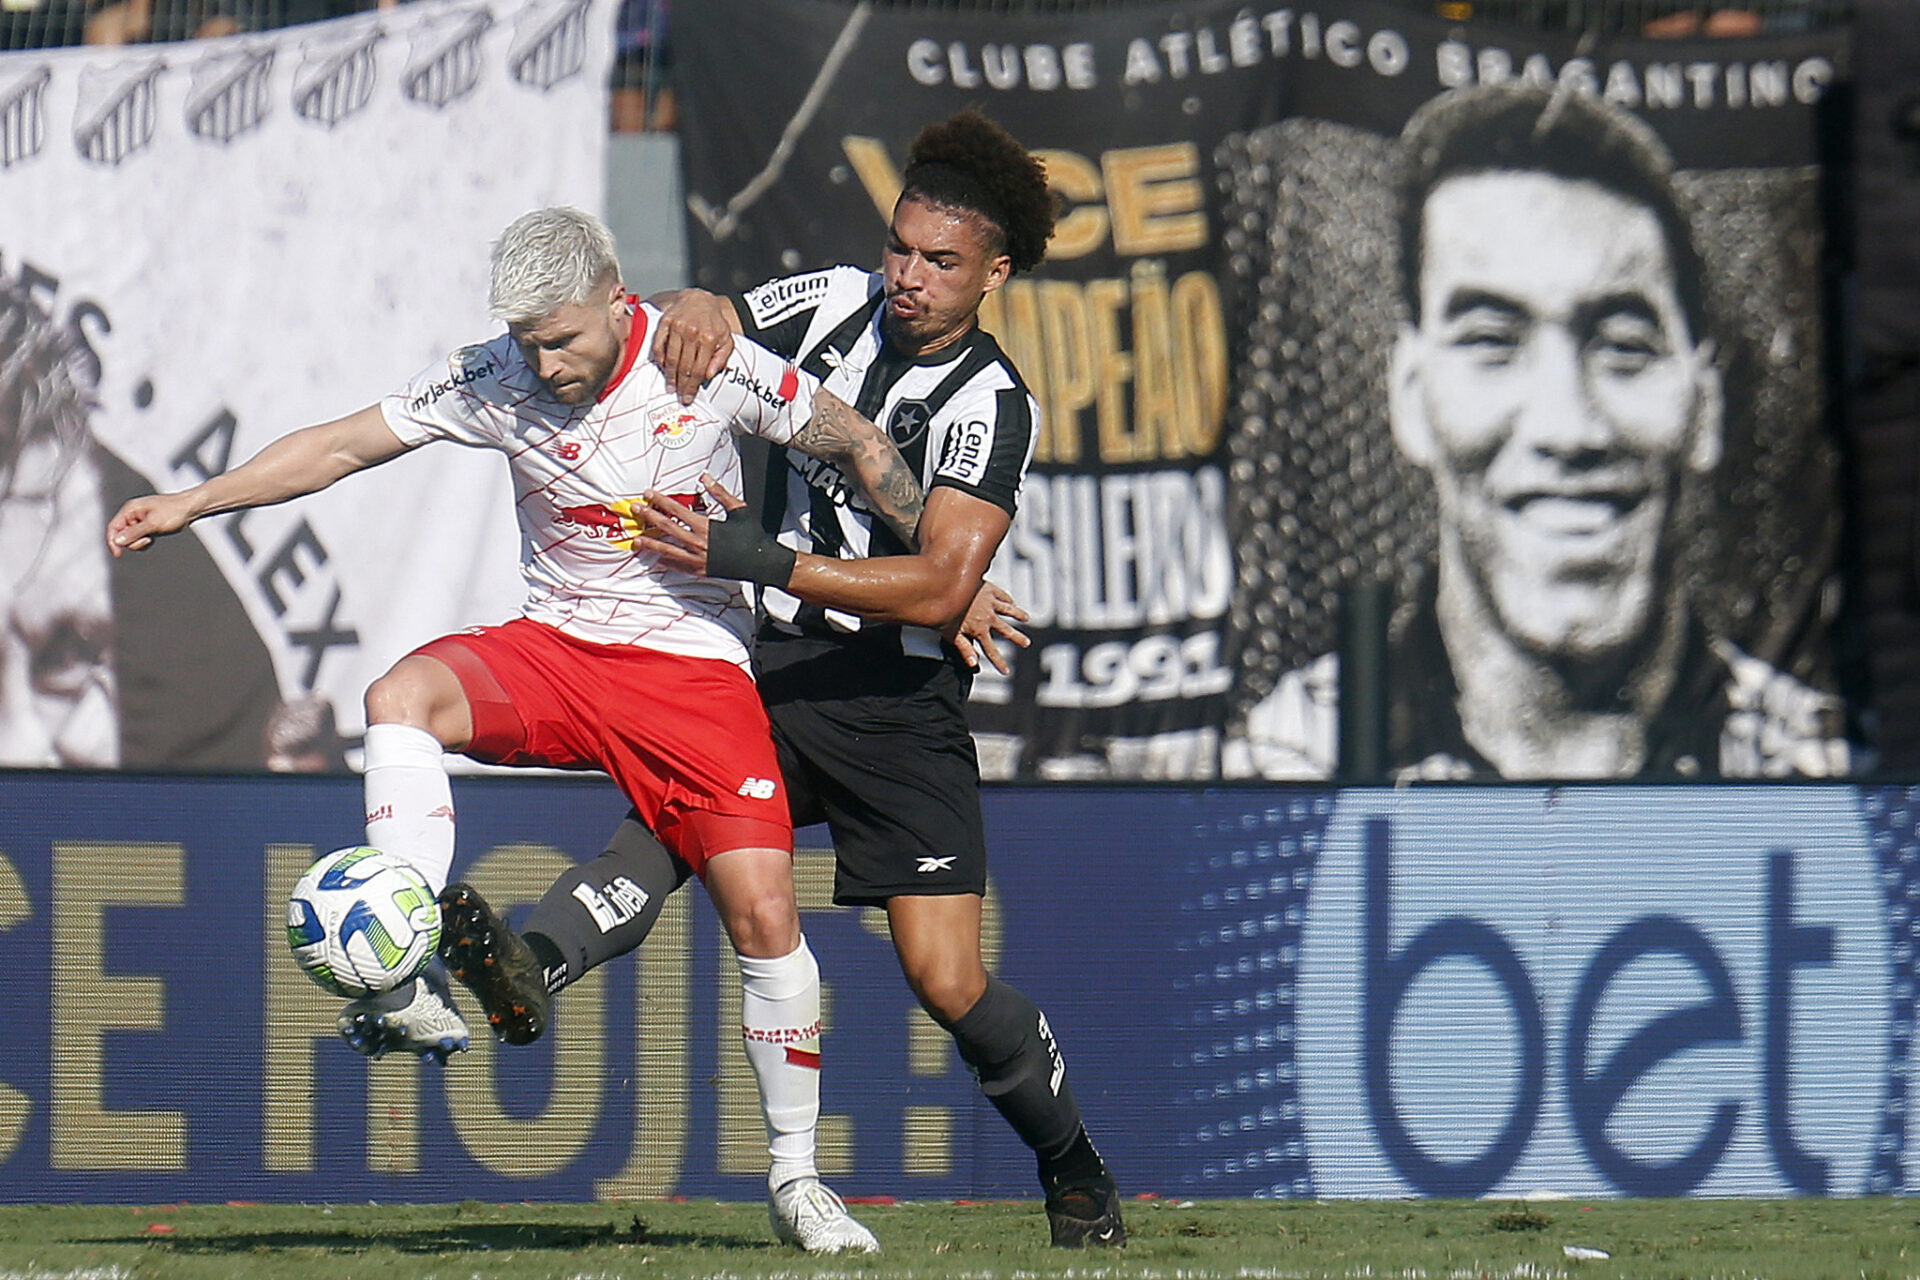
(739, 548)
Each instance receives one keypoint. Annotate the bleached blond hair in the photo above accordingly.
(547, 259)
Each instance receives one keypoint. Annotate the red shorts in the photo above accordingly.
(685, 738)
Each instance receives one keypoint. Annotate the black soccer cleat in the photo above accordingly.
(494, 963)
(1086, 1217)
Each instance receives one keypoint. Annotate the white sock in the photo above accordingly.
(409, 799)
(780, 1022)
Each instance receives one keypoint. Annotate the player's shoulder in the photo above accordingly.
(779, 300)
(481, 370)
(997, 369)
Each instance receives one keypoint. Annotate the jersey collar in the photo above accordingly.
(636, 339)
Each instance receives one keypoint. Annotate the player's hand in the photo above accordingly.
(140, 520)
(678, 533)
(988, 619)
(693, 341)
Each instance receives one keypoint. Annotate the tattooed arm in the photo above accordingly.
(862, 451)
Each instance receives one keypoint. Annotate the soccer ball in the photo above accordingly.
(361, 922)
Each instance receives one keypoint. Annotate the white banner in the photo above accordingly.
(220, 241)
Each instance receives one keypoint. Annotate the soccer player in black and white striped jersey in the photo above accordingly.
(866, 699)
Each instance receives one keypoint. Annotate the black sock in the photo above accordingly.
(553, 961)
(1005, 1039)
(1079, 1165)
(605, 908)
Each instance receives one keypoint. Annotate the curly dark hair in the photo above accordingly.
(970, 164)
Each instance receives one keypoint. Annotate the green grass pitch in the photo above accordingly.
(1872, 1239)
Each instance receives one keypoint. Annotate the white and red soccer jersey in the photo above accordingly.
(579, 473)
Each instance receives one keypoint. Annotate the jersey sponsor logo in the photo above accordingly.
(675, 431)
(774, 397)
(619, 901)
(615, 523)
(908, 421)
(758, 788)
(929, 866)
(964, 453)
(467, 370)
(774, 301)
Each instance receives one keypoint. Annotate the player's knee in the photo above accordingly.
(763, 924)
(947, 992)
(412, 693)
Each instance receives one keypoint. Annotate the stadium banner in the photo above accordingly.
(1595, 990)
(204, 245)
(1232, 444)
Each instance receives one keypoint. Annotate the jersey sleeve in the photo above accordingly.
(761, 394)
(989, 445)
(460, 399)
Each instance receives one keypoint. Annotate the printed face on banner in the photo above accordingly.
(1551, 387)
(938, 265)
(57, 700)
(576, 347)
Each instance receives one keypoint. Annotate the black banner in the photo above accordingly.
(1214, 340)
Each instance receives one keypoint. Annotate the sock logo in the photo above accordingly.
(1059, 1071)
(612, 907)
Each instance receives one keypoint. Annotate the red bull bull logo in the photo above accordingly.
(610, 523)
(675, 431)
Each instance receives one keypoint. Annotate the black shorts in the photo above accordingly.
(876, 745)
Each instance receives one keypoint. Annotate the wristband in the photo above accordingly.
(739, 548)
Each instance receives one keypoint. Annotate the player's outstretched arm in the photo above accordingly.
(867, 456)
(934, 587)
(302, 462)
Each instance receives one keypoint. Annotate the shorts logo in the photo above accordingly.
(758, 788)
(930, 865)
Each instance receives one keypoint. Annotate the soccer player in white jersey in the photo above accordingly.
(618, 662)
(867, 705)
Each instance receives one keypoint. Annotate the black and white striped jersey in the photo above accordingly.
(960, 416)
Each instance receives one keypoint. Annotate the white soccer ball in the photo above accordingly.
(361, 922)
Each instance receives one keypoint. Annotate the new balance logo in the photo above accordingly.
(758, 788)
(930, 865)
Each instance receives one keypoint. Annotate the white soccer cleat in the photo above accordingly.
(415, 1017)
(806, 1213)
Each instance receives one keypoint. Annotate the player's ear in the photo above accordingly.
(1406, 405)
(997, 272)
(1709, 411)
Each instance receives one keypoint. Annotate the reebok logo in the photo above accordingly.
(930, 865)
(758, 788)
